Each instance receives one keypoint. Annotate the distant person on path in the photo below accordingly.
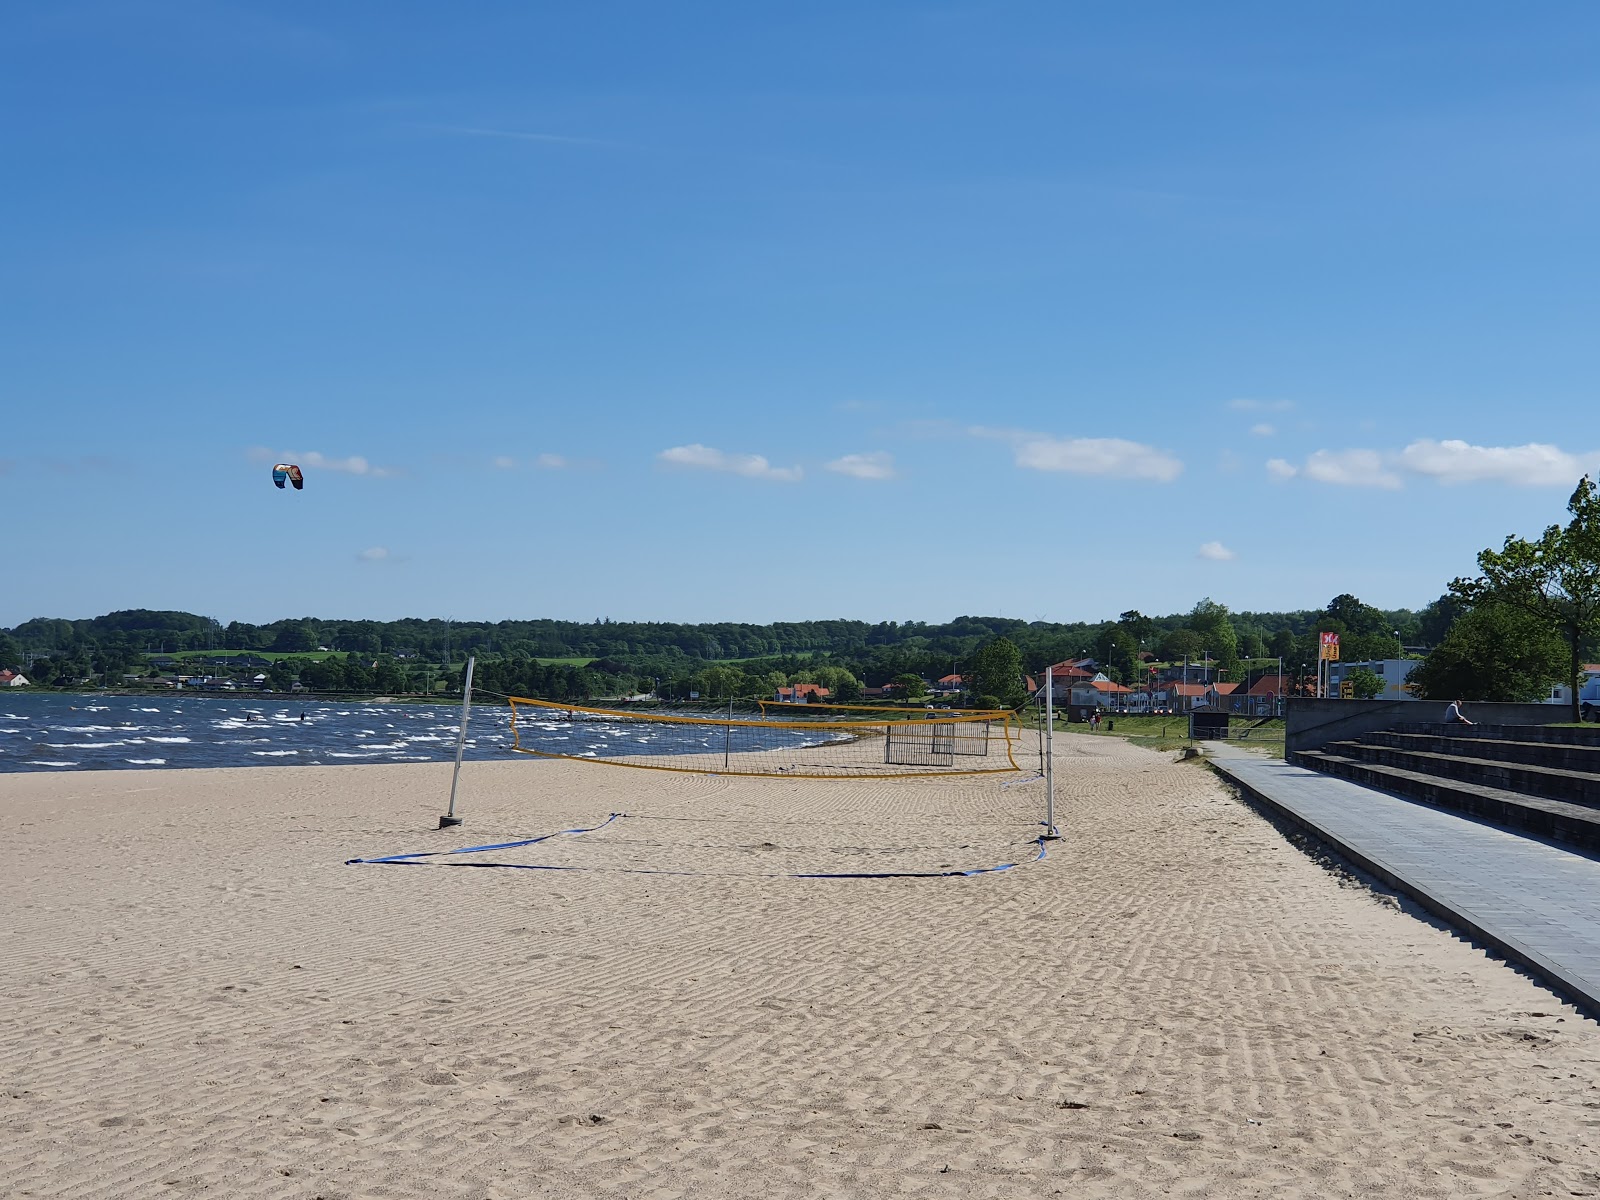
(1454, 716)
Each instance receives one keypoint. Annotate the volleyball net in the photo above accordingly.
(803, 741)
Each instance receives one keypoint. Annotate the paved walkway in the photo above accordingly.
(1535, 902)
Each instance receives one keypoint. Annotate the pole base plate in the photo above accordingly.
(449, 822)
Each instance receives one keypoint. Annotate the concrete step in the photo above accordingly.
(1510, 733)
(1571, 824)
(1553, 783)
(1562, 756)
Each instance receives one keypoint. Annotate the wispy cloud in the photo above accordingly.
(1112, 458)
(550, 462)
(1215, 552)
(374, 554)
(1262, 429)
(1532, 465)
(875, 466)
(503, 462)
(516, 135)
(751, 466)
(1447, 462)
(355, 464)
(1245, 404)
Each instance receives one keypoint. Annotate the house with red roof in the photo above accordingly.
(803, 693)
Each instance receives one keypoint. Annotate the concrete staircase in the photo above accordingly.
(1530, 778)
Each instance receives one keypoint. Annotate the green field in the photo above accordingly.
(184, 656)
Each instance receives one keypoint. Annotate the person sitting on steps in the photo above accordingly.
(1454, 716)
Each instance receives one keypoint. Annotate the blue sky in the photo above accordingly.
(727, 311)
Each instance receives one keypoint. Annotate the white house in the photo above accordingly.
(10, 678)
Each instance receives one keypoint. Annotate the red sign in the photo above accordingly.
(1330, 646)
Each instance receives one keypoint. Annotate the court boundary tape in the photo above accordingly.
(417, 858)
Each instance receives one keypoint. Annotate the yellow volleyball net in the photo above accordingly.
(799, 742)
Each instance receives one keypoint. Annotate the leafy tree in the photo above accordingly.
(996, 670)
(1491, 652)
(1555, 580)
(1282, 644)
(1218, 639)
(909, 687)
(1178, 644)
(1140, 627)
(1355, 617)
(1366, 684)
(295, 638)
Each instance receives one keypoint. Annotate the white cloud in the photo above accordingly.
(1532, 465)
(353, 465)
(550, 462)
(1351, 468)
(876, 465)
(1446, 462)
(1108, 457)
(1246, 405)
(1281, 469)
(1262, 429)
(503, 462)
(1216, 552)
(374, 554)
(751, 466)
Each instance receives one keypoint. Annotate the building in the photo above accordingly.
(1393, 671)
(10, 678)
(802, 693)
(948, 685)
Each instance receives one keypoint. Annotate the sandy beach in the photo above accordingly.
(199, 997)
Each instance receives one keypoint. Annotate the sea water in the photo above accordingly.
(67, 732)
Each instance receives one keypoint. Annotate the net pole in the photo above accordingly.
(449, 820)
(1049, 755)
(727, 737)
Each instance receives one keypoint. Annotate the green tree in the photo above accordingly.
(1139, 626)
(295, 638)
(1554, 580)
(1281, 645)
(1491, 652)
(1179, 644)
(1365, 684)
(909, 687)
(1218, 639)
(996, 670)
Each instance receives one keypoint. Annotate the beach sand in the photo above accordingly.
(198, 998)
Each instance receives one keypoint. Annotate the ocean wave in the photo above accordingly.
(146, 762)
(82, 745)
(169, 740)
(273, 753)
(43, 762)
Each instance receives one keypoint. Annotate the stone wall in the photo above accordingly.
(1310, 723)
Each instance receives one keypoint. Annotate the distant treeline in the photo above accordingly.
(715, 658)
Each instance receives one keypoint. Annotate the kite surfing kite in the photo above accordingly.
(288, 471)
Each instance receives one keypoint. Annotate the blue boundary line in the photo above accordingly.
(415, 860)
